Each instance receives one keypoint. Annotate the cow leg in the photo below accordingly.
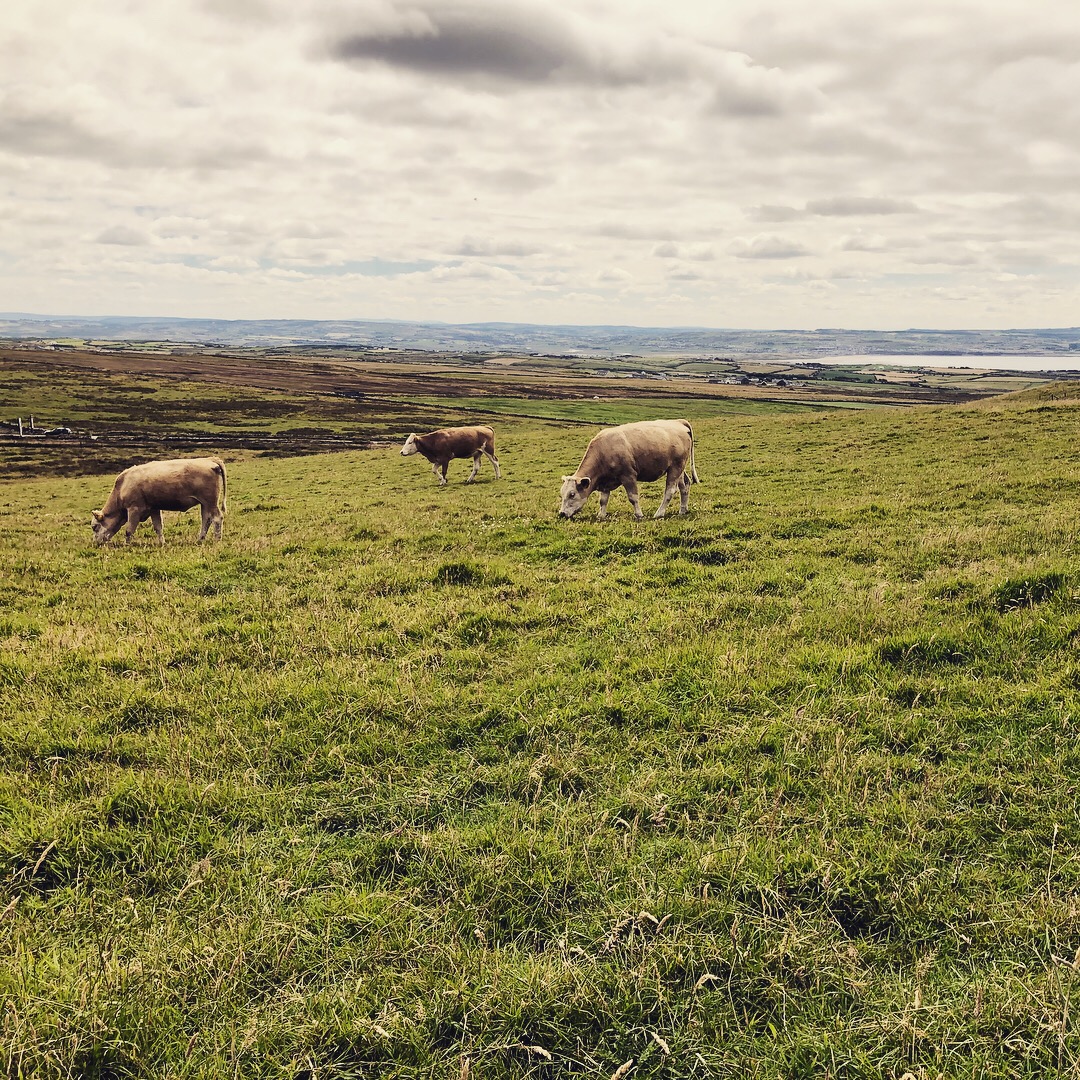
(604, 496)
(495, 464)
(155, 518)
(684, 493)
(219, 517)
(134, 517)
(207, 516)
(632, 495)
(671, 485)
(445, 466)
(475, 467)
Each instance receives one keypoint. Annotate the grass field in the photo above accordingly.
(401, 781)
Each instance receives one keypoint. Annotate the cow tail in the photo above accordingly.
(219, 468)
(693, 468)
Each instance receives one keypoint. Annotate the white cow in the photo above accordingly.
(144, 491)
(621, 456)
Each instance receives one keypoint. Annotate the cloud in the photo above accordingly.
(748, 90)
(768, 247)
(853, 205)
(491, 248)
(697, 252)
(873, 242)
(773, 213)
(507, 42)
(565, 139)
(123, 235)
(40, 133)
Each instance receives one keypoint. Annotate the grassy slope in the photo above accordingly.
(420, 782)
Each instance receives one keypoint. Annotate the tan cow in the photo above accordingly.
(621, 456)
(441, 447)
(143, 491)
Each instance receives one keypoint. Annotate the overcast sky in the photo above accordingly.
(729, 163)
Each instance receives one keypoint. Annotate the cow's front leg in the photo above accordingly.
(604, 496)
(475, 467)
(155, 518)
(134, 517)
(671, 485)
(632, 495)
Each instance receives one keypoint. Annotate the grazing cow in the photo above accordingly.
(143, 491)
(621, 456)
(441, 447)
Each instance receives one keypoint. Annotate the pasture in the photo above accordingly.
(408, 781)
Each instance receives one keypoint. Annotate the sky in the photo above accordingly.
(757, 164)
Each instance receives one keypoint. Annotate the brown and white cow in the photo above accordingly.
(621, 456)
(144, 491)
(441, 447)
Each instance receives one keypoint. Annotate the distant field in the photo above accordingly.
(158, 400)
(615, 410)
(408, 781)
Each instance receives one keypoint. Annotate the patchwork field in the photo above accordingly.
(408, 781)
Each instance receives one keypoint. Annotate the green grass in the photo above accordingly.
(409, 781)
(617, 410)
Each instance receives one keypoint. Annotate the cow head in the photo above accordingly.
(410, 446)
(100, 526)
(575, 494)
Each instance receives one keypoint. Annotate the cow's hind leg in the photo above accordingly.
(212, 517)
(207, 515)
(684, 493)
(632, 495)
(475, 466)
(494, 463)
(671, 485)
(155, 518)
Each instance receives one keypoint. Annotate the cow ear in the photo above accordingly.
(583, 482)
(97, 515)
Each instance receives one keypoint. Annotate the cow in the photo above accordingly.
(441, 447)
(621, 456)
(143, 491)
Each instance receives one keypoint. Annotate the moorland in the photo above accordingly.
(407, 781)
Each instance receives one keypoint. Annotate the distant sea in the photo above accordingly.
(989, 362)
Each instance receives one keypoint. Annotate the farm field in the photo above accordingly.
(408, 781)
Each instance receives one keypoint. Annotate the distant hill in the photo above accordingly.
(527, 338)
(1059, 391)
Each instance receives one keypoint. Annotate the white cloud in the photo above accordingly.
(768, 247)
(411, 158)
(123, 235)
